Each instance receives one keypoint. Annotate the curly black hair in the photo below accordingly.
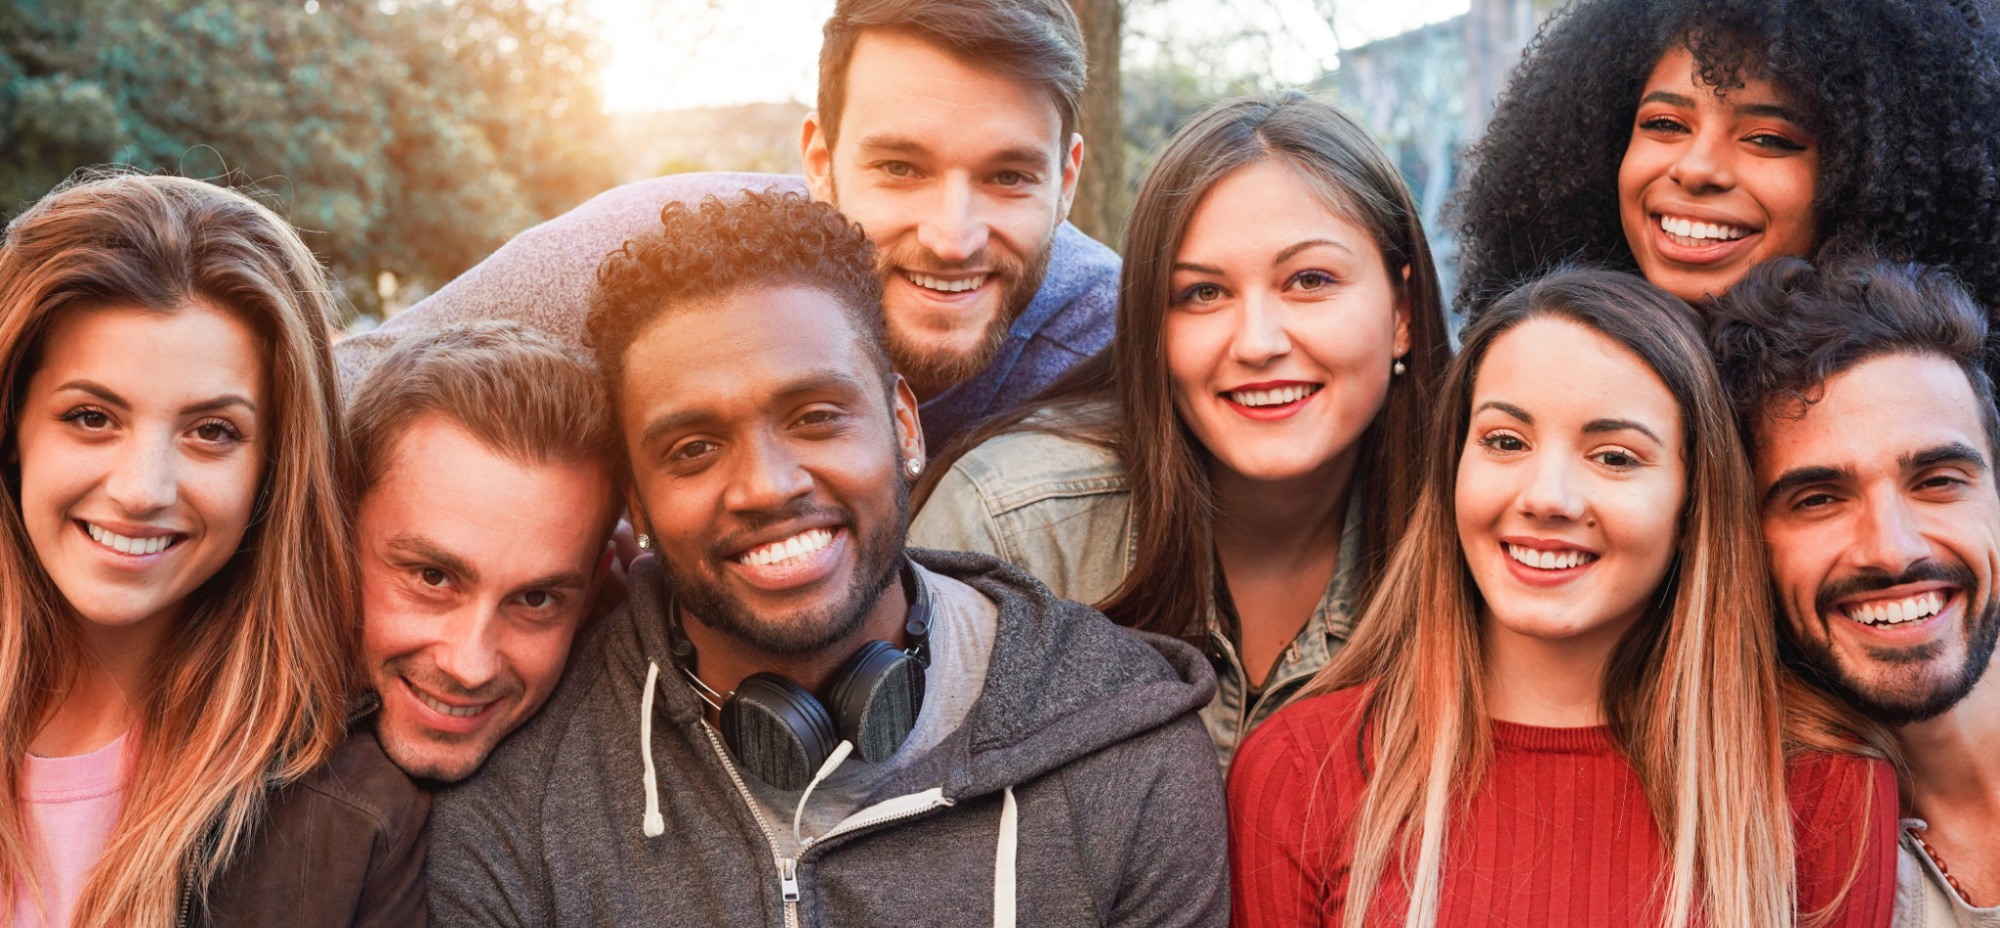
(718, 247)
(1789, 325)
(1903, 96)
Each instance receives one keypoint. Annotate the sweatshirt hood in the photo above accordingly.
(1062, 683)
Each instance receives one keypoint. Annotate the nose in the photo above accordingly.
(1551, 493)
(1260, 330)
(955, 228)
(1707, 163)
(1890, 538)
(146, 476)
(768, 476)
(469, 651)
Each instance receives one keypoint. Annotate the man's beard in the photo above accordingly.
(1910, 696)
(930, 370)
(878, 559)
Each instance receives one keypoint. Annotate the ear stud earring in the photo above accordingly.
(914, 467)
(645, 542)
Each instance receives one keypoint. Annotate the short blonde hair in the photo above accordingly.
(518, 390)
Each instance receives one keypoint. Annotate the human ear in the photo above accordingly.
(909, 428)
(816, 153)
(1072, 172)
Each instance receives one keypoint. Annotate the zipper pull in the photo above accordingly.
(788, 879)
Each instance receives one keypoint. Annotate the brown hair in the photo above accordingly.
(1172, 586)
(1789, 325)
(521, 392)
(717, 247)
(1037, 43)
(251, 688)
(1693, 694)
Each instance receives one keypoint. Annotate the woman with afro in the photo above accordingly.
(1688, 140)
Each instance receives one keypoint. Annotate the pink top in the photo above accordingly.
(73, 803)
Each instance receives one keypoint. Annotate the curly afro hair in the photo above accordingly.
(1903, 95)
(1789, 325)
(718, 247)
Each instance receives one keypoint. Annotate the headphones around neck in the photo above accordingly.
(778, 732)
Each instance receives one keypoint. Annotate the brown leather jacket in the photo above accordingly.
(342, 848)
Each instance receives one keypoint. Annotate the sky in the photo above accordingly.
(677, 54)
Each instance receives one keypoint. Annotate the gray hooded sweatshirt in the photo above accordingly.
(1081, 790)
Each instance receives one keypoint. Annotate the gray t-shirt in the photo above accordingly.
(1923, 898)
(963, 624)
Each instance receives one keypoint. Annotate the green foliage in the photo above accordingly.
(410, 137)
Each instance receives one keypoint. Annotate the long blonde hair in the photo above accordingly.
(249, 689)
(1694, 696)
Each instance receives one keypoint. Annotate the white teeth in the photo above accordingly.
(795, 548)
(124, 545)
(1700, 232)
(942, 285)
(454, 711)
(1277, 397)
(1548, 560)
(1882, 613)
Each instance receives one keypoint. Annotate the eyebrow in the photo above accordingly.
(1772, 110)
(814, 381)
(1599, 426)
(422, 547)
(1806, 476)
(1025, 155)
(1283, 256)
(1508, 408)
(111, 397)
(1956, 452)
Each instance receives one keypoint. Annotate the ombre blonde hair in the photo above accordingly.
(1694, 694)
(250, 689)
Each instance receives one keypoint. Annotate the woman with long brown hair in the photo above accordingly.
(177, 607)
(1565, 706)
(1233, 468)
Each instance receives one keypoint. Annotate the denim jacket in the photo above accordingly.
(1060, 509)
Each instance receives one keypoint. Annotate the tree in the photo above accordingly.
(1101, 196)
(410, 138)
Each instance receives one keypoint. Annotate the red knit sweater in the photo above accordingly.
(1558, 834)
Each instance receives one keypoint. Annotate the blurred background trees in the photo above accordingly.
(407, 140)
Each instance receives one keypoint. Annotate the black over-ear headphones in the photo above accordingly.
(778, 732)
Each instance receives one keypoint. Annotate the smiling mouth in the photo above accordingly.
(1279, 396)
(1890, 613)
(787, 552)
(136, 547)
(444, 708)
(944, 284)
(1691, 233)
(1547, 560)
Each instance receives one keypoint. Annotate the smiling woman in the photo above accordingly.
(169, 439)
(1570, 618)
(1690, 139)
(1234, 468)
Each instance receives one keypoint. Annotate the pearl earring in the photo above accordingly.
(1398, 368)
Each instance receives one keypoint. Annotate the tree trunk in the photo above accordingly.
(1100, 196)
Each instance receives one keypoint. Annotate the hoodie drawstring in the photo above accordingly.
(654, 825)
(1003, 862)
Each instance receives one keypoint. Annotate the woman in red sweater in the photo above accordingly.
(1565, 706)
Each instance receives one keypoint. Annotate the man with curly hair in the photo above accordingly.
(1860, 390)
(948, 129)
(1689, 139)
(793, 719)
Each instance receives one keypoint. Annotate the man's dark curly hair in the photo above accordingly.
(1789, 325)
(719, 247)
(1903, 96)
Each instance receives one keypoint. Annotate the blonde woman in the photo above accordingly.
(1564, 706)
(176, 593)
